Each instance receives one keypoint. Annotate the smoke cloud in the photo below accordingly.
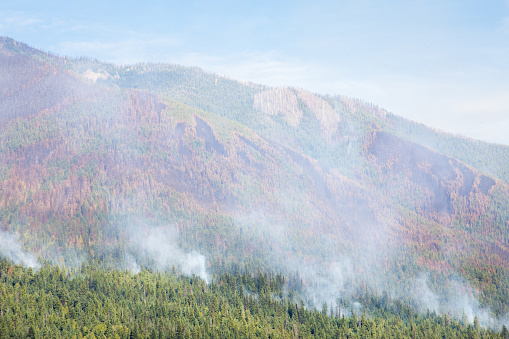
(427, 299)
(327, 271)
(459, 300)
(158, 246)
(334, 275)
(11, 248)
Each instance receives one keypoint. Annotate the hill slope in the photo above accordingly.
(161, 165)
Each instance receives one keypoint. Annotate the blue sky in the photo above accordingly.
(443, 63)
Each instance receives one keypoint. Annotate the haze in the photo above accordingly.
(445, 64)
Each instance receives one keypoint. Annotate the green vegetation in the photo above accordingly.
(100, 303)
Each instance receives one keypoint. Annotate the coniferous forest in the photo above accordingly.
(98, 303)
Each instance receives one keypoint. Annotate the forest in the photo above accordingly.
(91, 302)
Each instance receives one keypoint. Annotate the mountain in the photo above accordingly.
(158, 165)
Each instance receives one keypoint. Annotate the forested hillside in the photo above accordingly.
(157, 166)
(96, 303)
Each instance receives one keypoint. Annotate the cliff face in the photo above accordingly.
(442, 178)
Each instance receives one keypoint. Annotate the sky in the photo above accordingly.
(442, 63)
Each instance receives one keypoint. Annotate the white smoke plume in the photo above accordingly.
(329, 283)
(131, 263)
(426, 298)
(11, 248)
(159, 244)
(461, 301)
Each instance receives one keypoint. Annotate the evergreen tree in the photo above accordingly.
(505, 332)
(3, 332)
(477, 326)
(134, 333)
(31, 333)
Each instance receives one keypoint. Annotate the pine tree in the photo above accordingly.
(134, 333)
(464, 319)
(477, 326)
(505, 332)
(31, 333)
(3, 332)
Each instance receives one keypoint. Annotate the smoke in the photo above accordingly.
(157, 246)
(459, 300)
(327, 284)
(427, 299)
(10, 248)
(259, 225)
(328, 270)
(69, 258)
(346, 273)
(132, 265)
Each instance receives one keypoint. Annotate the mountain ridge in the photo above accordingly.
(247, 175)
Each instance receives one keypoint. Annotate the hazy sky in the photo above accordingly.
(443, 63)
